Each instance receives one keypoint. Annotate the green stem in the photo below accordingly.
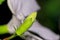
(14, 35)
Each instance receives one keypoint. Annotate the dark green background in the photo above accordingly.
(49, 14)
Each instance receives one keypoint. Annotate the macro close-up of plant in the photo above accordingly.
(29, 19)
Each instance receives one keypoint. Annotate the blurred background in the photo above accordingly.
(49, 14)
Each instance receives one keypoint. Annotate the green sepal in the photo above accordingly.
(3, 29)
(27, 24)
